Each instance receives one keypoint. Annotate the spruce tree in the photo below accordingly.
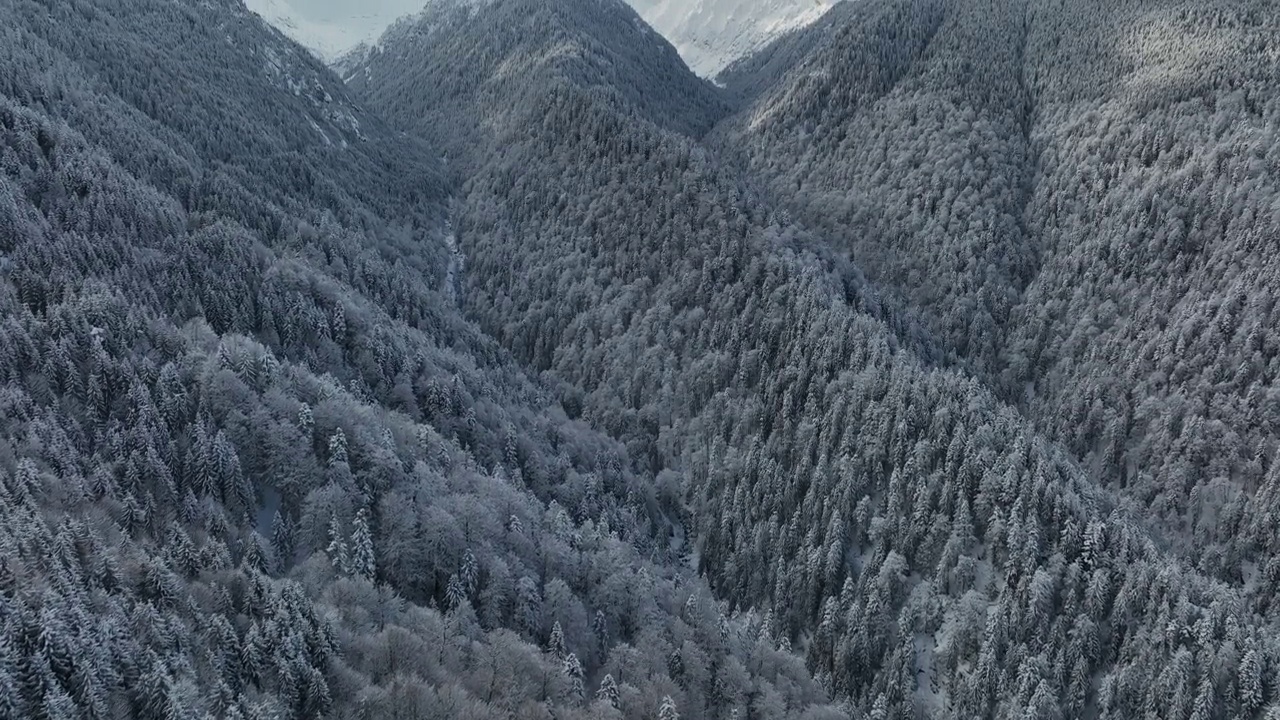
(555, 644)
(667, 710)
(337, 548)
(608, 690)
(363, 562)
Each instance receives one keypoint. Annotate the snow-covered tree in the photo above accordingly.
(363, 560)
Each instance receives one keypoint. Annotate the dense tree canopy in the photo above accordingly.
(252, 461)
(841, 463)
(925, 370)
(1075, 196)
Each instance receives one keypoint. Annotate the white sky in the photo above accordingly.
(340, 10)
(331, 26)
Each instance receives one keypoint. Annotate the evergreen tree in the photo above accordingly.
(337, 549)
(455, 592)
(58, 705)
(338, 449)
(282, 538)
(156, 697)
(11, 702)
(363, 562)
(555, 644)
(469, 573)
(306, 421)
(608, 691)
(572, 669)
(1251, 689)
(255, 554)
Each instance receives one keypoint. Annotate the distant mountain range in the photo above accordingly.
(332, 31)
(709, 34)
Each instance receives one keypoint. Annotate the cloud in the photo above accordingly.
(329, 27)
(341, 11)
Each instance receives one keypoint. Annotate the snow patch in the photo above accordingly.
(711, 34)
(929, 695)
(323, 136)
(301, 81)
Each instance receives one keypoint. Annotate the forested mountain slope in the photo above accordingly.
(1149, 336)
(253, 464)
(435, 69)
(902, 135)
(711, 34)
(750, 76)
(1076, 195)
(488, 385)
(932, 553)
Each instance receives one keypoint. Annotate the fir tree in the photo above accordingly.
(572, 669)
(608, 691)
(338, 449)
(11, 703)
(455, 592)
(363, 562)
(282, 538)
(1250, 679)
(555, 644)
(337, 549)
(667, 711)
(306, 421)
(469, 573)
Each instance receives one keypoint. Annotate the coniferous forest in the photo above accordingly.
(922, 367)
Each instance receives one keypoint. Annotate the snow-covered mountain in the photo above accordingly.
(710, 34)
(331, 28)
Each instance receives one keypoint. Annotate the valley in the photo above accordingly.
(922, 366)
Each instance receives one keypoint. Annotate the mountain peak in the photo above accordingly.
(712, 34)
(327, 29)
(507, 54)
(709, 34)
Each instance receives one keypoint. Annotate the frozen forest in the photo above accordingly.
(924, 366)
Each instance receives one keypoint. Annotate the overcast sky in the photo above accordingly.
(338, 10)
(331, 26)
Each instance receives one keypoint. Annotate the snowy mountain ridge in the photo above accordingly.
(710, 34)
(329, 37)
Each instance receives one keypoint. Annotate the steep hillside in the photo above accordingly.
(931, 552)
(252, 461)
(711, 34)
(1148, 341)
(748, 77)
(902, 135)
(331, 29)
(515, 378)
(1074, 195)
